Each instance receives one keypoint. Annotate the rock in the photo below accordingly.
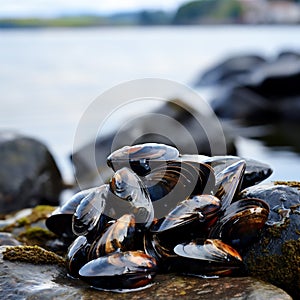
(258, 92)
(28, 174)
(28, 281)
(231, 69)
(282, 134)
(275, 257)
(27, 226)
(192, 131)
(242, 104)
(7, 239)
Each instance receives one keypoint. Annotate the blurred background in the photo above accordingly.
(241, 56)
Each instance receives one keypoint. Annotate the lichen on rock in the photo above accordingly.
(33, 255)
(35, 236)
(275, 257)
(279, 269)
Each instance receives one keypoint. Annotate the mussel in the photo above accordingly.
(120, 270)
(139, 157)
(229, 182)
(120, 235)
(126, 185)
(77, 255)
(162, 211)
(89, 211)
(255, 171)
(209, 257)
(198, 208)
(170, 183)
(241, 222)
(60, 221)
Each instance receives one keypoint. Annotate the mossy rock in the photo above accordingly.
(36, 214)
(32, 254)
(275, 256)
(30, 229)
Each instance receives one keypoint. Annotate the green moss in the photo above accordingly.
(38, 213)
(35, 236)
(32, 254)
(276, 231)
(281, 270)
(295, 184)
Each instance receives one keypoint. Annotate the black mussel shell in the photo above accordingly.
(126, 185)
(77, 255)
(89, 211)
(229, 182)
(120, 270)
(60, 221)
(241, 223)
(198, 208)
(163, 253)
(205, 174)
(255, 171)
(209, 257)
(170, 183)
(193, 177)
(139, 157)
(118, 236)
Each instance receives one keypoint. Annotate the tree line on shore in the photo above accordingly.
(189, 13)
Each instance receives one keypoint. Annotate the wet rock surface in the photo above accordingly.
(275, 257)
(28, 173)
(28, 281)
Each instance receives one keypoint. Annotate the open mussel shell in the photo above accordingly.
(77, 255)
(241, 222)
(118, 236)
(208, 257)
(89, 211)
(229, 182)
(126, 185)
(196, 209)
(60, 221)
(120, 270)
(138, 157)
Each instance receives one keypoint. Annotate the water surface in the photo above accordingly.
(48, 77)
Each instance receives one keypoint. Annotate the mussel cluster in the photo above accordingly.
(162, 212)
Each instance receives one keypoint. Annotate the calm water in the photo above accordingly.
(49, 77)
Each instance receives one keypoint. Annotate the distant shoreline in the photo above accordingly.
(12, 26)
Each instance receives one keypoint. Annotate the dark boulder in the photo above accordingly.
(259, 92)
(28, 174)
(231, 69)
(175, 123)
(275, 257)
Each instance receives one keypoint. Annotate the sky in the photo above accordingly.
(49, 8)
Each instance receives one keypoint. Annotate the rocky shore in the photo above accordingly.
(33, 258)
(250, 90)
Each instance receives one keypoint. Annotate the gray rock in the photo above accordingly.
(192, 131)
(7, 239)
(28, 173)
(267, 92)
(230, 69)
(275, 256)
(27, 281)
